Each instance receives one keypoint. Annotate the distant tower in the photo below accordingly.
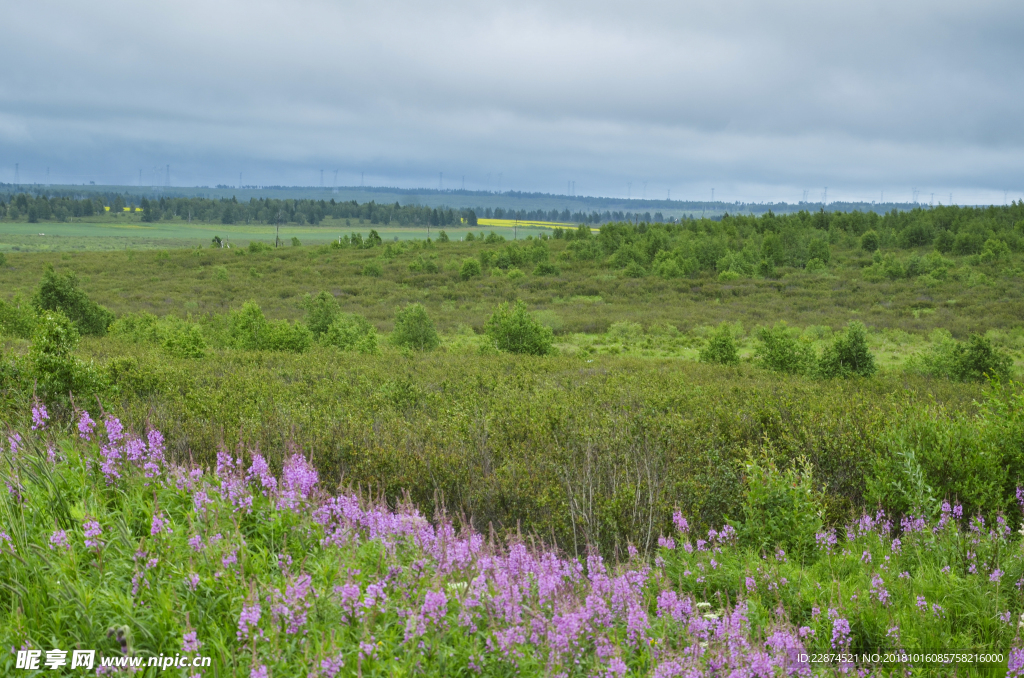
(361, 180)
(712, 195)
(440, 180)
(824, 197)
(668, 196)
(168, 182)
(463, 182)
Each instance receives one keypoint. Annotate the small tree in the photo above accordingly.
(780, 508)
(470, 269)
(352, 332)
(320, 312)
(56, 370)
(250, 329)
(869, 241)
(779, 352)
(848, 355)
(978, 360)
(60, 292)
(513, 329)
(721, 348)
(414, 329)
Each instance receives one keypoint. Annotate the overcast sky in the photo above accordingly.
(760, 101)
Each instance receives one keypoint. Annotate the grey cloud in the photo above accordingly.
(767, 98)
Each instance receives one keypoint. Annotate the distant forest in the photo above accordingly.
(35, 208)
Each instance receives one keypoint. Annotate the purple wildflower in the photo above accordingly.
(190, 643)
(91, 530)
(6, 539)
(841, 637)
(159, 525)
(260, 671)
(331, 666)
(59, 539)
(85, 426)
(39, 417)
(248, 620)
(666, 543)
(680, 522)
(996, 575)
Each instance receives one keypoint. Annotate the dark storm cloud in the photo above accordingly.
(758, 99)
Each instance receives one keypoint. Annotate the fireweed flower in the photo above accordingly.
(91, 530)
(59, 539)
(667, 542)
(260, 671)
(85, 426)
(189, 642)
(248, 620)
(159, 525)
(841, 637)
(5, 540)
(39, 417)
(996, 575)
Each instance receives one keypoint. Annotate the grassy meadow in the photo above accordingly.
(831, 402)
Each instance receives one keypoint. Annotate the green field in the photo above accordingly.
(129, 232)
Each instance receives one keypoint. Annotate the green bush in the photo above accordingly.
(442, 237)
(414, 329)
(373, 270)
(721, 348)
(848, 355)
(869, 241)
(58, 375)
(256, 247)
(185, 341)
(3, 259)
(352, 332)
(295, 242)
(60, 292)
(766, 269)
(250, 330)
(321, 311)
(978, 360)
(546, 268)
(470, 269)
(514, 330)
(818, 249)
(635, 270)
(781, 509)
(778, 351)
(928, 457)
(17, 319)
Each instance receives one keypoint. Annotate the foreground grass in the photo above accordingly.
(106, 545)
